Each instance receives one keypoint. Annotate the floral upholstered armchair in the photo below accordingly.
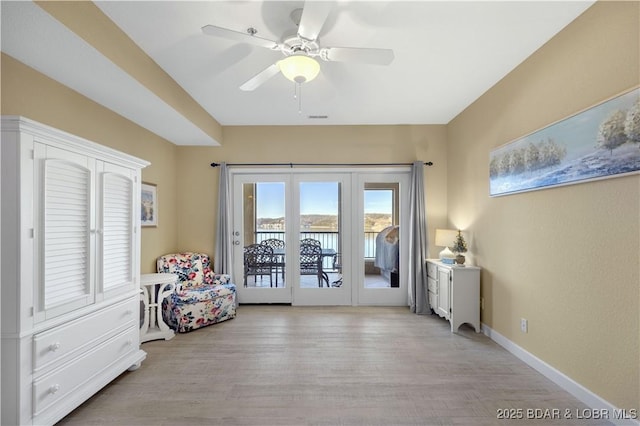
(201, 297)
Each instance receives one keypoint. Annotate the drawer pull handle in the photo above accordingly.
(54, 346)
(53, 389)
(129, 342)
(128, 312)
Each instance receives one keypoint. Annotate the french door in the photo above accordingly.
(287, 212)
(261, 211)
(380, 261)
(342, 212)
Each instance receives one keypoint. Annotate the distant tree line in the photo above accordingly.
(373, 222)
(620, 127)
(529, 158)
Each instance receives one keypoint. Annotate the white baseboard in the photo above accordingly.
(583, 394)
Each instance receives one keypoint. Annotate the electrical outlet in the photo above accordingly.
(524, 325)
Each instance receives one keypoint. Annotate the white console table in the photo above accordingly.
(155, 287)
(454, 293)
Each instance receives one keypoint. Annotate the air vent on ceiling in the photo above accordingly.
(318, 117)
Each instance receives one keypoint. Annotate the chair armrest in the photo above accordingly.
(221, 278)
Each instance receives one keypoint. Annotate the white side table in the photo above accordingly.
(155, 287)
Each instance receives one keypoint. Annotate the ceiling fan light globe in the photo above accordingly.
(299, 68)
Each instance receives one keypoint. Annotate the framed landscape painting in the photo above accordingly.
(600, 142)
(149, 205)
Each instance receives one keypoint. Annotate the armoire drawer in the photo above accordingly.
(59, 383)
(59, 342)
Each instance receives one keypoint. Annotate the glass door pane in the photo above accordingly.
(264, 226)
(321, 225)
(260, 235)
(383, 200)
(380, 214)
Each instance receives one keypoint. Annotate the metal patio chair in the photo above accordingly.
(278, 247)
(311, 262)
(258, 261)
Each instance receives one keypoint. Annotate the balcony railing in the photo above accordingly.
(327, 239)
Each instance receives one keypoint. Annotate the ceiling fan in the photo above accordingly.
(301, 49)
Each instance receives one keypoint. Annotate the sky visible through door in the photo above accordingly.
(319, 209)
(315, 200)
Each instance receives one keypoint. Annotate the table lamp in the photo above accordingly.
(445, 238)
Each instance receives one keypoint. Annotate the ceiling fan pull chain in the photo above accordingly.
(297, 94)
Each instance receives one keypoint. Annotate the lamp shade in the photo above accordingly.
(299, 68)
(445, 237)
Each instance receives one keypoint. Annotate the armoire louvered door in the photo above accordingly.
(66, 235)
(81, 244)
(117, 225)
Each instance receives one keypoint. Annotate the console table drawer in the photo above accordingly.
(432, 270)
(52, 345)
(432, 286)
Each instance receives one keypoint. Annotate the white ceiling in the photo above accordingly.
(447, 54)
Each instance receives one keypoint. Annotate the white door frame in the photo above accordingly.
(352, 181)
(323, 296)
(250, 294)
(398, 296)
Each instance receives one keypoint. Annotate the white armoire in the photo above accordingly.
(70, 214)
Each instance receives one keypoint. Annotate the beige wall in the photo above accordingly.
(187, 185)
(565, 258)
(28, 93)
(306, 144)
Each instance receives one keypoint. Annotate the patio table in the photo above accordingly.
(326, 252)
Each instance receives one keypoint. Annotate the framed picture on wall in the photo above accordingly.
(598, 143)
(149, 205)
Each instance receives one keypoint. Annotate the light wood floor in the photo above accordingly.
(282, 365)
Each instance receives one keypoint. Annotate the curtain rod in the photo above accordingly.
(428, 163)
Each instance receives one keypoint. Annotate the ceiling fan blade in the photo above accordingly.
(314, 15)
(356, 54)
(260, 78)
(212, 30)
